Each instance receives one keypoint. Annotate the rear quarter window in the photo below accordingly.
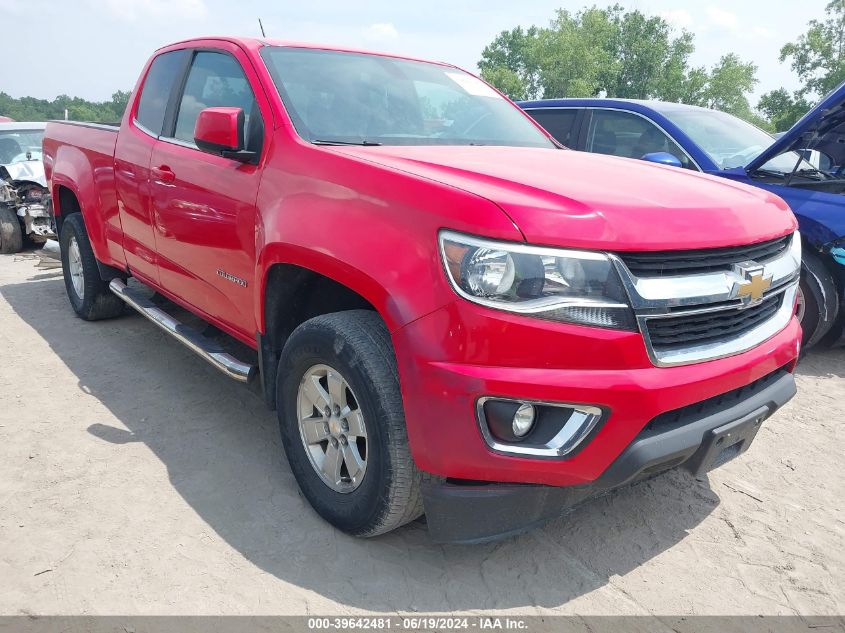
(155, 93)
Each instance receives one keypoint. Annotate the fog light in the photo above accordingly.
(536, 429)
(523, 420)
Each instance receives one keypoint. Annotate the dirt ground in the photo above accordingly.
(135, 479)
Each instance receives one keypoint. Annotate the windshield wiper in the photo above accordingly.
(770, 172)
(363, 143)
(812, 170)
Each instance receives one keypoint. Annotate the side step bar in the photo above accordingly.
(204, 347)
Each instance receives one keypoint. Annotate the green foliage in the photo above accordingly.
(783, 109)
(614, 52)
(818, 57)
(509, 63)
(32, 109)
(729, 81)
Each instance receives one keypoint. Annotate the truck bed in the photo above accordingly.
(98, 137)
(84, 153)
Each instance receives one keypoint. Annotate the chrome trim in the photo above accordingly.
(532, 306)
(190, 338)
(145, 130)
(581, 422)
(663, 297)
(682, 295)
(659, 293)
(729, 347)
(172, 140)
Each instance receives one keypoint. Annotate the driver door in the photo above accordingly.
(204, 210)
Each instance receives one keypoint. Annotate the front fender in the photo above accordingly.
(370, 228)
(323, 264)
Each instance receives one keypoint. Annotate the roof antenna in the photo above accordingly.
(262, 27)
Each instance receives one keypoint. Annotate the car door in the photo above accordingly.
(132, 162)
(630, 135)
(204, 204)
(562, 123)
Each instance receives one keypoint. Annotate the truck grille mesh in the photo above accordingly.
(665, 263)
(685, 331)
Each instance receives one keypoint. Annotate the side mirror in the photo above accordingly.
(221, 131)
(662, 158)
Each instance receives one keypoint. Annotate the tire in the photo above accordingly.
(91, 299)
(11, 235)
(817, 300)
(357, 347)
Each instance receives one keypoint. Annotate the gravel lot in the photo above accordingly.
(135, 479)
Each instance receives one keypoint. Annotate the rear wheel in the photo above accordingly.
(88, 293)
(343, 425)
(817, 301)
(11, 235)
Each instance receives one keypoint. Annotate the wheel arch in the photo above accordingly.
(297, 288)
(68, 203)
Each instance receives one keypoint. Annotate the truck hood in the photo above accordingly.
(822, 129)
(574, 199)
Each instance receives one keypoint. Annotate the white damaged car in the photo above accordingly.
(24, 199)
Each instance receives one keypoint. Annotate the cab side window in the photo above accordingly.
(216, 80)
(560, 123)
(155, 93)
(630, 136)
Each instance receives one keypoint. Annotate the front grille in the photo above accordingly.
(684, 331)
(665, 263)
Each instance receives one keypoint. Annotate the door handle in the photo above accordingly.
(163, 173)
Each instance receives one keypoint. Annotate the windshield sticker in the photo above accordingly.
(472, 85)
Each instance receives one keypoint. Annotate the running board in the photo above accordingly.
(204, 347)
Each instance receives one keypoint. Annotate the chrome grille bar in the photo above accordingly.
(712, 297)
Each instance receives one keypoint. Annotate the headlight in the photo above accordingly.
(559, 285)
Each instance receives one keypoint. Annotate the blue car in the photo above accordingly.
(805, 167)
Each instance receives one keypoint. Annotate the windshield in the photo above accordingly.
(336, 97)
(17, 146)
(729, 141)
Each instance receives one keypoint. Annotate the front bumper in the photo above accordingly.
(697, 438)
(460, 353)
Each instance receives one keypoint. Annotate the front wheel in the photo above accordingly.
(343, 424)
(817, 300)
(11, 235)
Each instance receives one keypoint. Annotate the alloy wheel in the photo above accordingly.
(332, 428)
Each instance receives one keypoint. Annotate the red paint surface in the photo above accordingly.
(369, 217)
(219, 126)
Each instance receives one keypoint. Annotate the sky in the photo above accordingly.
(91, 48)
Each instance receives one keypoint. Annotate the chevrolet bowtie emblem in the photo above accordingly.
(755, 285)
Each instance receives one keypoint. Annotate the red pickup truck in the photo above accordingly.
(451, 313)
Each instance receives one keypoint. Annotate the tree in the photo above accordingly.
(119, 101)
(818, 57)
(32, 109)
(509, 63)
(573, 53)
(783, 109)
(729, 81)
(617, 53)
